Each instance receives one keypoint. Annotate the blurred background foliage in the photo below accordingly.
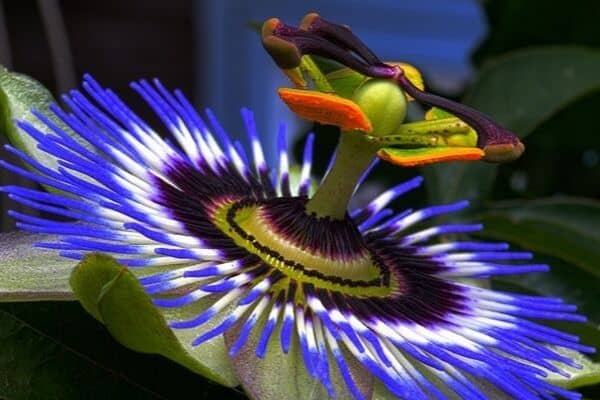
(537, 71)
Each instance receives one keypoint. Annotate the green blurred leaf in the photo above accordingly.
(573, 285)
(28, 273)
(524, 88)
(280, 376)
(449, 182)
(516, 24)
(521, 90)
(113, 295)
(78, 359)
(36, 367)
(563, 227)
(557, 161)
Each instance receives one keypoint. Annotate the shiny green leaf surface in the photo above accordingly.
(552, 78)
(566, 228)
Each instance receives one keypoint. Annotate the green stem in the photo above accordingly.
(353, 156)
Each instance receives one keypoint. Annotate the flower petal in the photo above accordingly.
(28, 273)
(280, 376)
(324, 292)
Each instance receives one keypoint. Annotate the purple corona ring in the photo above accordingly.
(221, 222)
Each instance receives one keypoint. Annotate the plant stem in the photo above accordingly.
(353, 156)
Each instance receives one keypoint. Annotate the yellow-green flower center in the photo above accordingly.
(252, 227)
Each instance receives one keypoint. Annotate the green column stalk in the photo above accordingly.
(384, 103)
(353, 156)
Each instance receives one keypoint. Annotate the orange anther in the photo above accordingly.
(325, 108)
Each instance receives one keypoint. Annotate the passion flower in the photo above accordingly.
(290, 263)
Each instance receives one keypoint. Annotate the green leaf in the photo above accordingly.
(113, 295)
(61, 352)
(452, 181)
(524, 88)
(588, 332)
(517, 24)
(572, 284)
(280, 376)
(36, 367)
(28, 273)
(564, 227)
(19, 94)
(520, 90)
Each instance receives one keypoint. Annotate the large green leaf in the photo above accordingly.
(515, 24)
(563, 227)
(28, 273)
(573, 285)
(36, 367)
(113, 295)
(521, 90)
(61, 353)
(524, 88)
(449, 182)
